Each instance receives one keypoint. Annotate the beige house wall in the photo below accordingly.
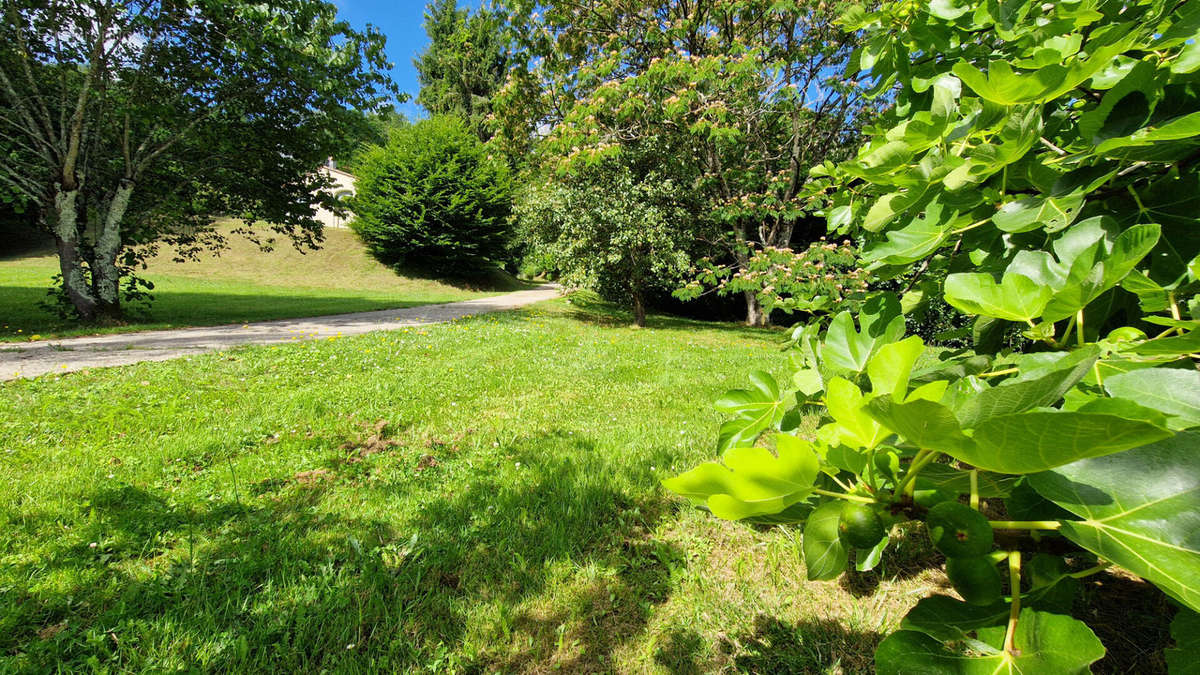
(343, 187)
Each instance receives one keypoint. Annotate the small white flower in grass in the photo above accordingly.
(92, 545)
(518, 465)
(350, 646)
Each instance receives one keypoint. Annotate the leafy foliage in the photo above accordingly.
(125, 125)
(433, 198)
(741, 95)
(610, 231)
(465, 63)
(825, 277)
(1032, 172)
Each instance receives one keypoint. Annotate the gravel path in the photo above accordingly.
(31, 359)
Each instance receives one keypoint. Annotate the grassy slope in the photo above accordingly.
(243, 284)
(233, 512)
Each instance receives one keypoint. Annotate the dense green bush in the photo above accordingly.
(433, 198)
(608, 231)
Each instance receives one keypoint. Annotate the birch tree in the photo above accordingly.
(127, 123)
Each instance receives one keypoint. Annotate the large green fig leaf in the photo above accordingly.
(926, 424)
(1174, 391)
(1090, 261)
(1184, 659)
(1085, 281)
(1184, 126)
(848, 349)
(1139, 509)
(886, 208)
(915, 240)
(949, 619)
(1001, 84)
(845, 401)
(751, 481)
(825, 556)
(1039, 440)
(754, 409)
(958, 481)
(1015, 298)
(1021, 395)
(891, 366)
(1051, 213)
(1025, 442)
(1043, 643)
(1188, 343)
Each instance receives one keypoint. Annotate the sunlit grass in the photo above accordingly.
(242, 284)
(477, 496)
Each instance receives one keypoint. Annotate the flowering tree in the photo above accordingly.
(825, 277)
(739, 96)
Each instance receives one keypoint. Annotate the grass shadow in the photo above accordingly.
(814, 646)
(587, 307)
(1133, 620)
(23, 315)
(274, 576)
(490, 279)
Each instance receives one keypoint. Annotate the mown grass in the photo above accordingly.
(481, 496)
(242, 284)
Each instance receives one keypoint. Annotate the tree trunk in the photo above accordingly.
(106, 278)
(755, 315)
(639, 309)
(66, 234)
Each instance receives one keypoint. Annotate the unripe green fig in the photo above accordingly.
(959, 531)
(859, 526)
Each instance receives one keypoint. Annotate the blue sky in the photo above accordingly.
(400, 21)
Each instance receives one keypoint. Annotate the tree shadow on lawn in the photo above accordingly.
(586, 307)
(23, 315)
(775, 646)
(488, 278)
(281, 582)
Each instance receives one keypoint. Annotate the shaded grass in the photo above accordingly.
(478, 496)
(242, 284)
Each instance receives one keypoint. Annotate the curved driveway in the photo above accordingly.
(30, 359)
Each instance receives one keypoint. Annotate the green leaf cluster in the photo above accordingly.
(433, 198)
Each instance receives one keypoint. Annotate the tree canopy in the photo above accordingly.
(466, 62)
(128, 123)
(743, 96)
(1038, 174)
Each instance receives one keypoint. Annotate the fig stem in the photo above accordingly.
(1091, 570)
(1014, 610)
(843, 495)
(908, 484)
(1025, 524)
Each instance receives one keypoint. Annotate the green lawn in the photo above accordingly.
(243, 284)
(476, 496)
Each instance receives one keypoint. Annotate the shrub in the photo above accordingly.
(610, 232)
(433, 198)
